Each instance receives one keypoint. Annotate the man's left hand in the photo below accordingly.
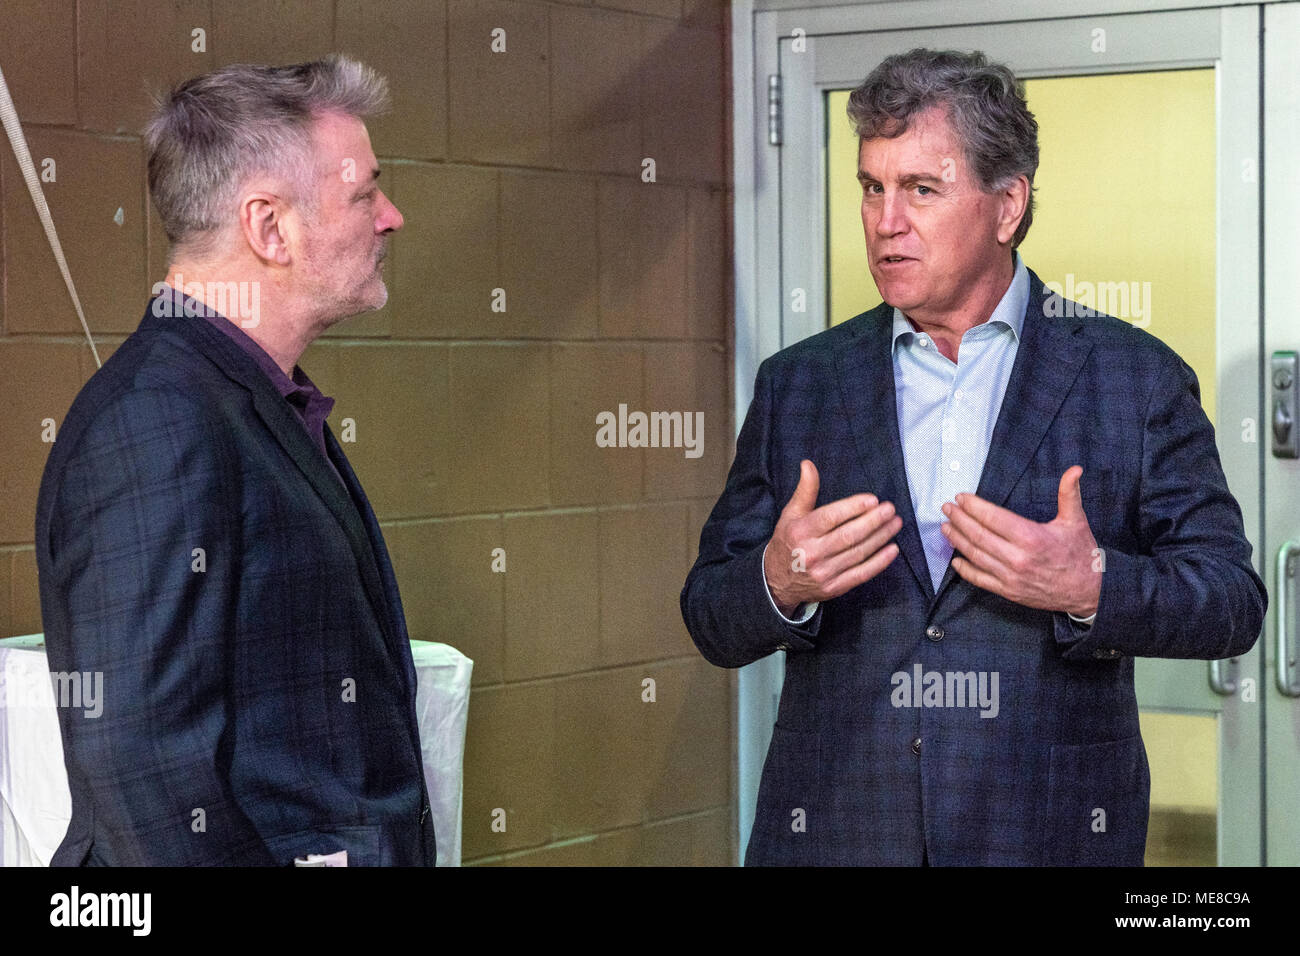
(1046, 566)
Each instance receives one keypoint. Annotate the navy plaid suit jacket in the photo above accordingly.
(1060, 775)
(254, 711)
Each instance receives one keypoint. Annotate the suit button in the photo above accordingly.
(934, 632)
(1106, 655)
(916, 746)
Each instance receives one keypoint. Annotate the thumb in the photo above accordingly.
(804, 498)
(1069, 500)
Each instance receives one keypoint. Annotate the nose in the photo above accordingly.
(893, 214)
(389, 218)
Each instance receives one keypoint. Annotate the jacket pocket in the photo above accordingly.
(1096, 805)
(789, 820)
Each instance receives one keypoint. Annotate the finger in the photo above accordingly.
(804, 498)
(976, 555)
(861, 573)
(875, 540)
(1004, 523)
(831, 516)
(1069, 499)
(852, 533)
(978, 535)
(978, 577)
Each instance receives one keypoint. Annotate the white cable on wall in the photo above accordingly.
(16, 139)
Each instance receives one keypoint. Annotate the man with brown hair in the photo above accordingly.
(962, 515)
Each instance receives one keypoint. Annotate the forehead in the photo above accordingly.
(337, 137)
(929, 137)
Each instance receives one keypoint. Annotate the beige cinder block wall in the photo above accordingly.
(475, 429)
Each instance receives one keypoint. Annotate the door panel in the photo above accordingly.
(1281, 475)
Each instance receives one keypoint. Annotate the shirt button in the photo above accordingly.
(916, 746)
(957, 394)
(954, 465)
(925, 341)
(934, 632)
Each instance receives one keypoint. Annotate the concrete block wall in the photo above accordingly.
(475, 430)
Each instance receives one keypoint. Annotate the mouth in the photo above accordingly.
(893, 260)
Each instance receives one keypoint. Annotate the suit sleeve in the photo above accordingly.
(139, 585)
(725, 603)
(1190, 590)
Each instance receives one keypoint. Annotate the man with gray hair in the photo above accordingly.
(1051, 484)
(201, 538)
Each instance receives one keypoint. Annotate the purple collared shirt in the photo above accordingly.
(308, 403)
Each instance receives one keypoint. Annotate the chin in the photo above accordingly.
(892, 293)
(359, 306)
(371, 300)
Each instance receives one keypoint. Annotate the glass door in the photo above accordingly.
(1280, 682)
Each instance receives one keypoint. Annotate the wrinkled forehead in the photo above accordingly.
(929, 140)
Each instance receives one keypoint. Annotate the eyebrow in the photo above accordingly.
(363, 186)
(905, 179)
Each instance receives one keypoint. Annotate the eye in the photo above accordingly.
(923, 190)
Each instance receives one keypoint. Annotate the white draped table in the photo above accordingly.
(35, 804)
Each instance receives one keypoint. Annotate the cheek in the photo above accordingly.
(869, 217)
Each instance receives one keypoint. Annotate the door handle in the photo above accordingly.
(1286, 403)
(1281, 424)
(1284, 574)
(1223, 686)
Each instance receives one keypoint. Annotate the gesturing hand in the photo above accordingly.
(1046, 566)
(819, 553)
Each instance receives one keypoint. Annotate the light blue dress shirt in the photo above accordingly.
(946, 413)
(947, 410)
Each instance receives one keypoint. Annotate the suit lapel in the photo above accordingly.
(288, 431)
(1048, 361)
(384, 580)
(866, 379)
(285, 426)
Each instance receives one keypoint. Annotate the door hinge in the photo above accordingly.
(774, 109)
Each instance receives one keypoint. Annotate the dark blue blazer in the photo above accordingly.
(259, 698)
(1060, 775)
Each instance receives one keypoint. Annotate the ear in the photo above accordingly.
(1015, 202)
(262, 221)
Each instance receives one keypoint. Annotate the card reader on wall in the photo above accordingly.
(1286, 410)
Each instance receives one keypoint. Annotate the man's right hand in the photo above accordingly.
(820, 553)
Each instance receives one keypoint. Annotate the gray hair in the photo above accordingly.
(209, 135)
(985, 104)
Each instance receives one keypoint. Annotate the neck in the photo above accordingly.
(947, 328)
(247, 303)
